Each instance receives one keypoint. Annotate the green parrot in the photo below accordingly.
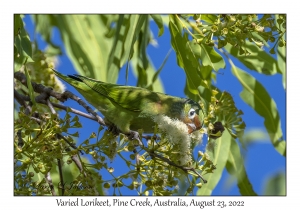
(133, 108)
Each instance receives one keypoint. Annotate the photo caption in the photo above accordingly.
(151, 202)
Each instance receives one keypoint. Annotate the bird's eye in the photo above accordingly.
(192, 113)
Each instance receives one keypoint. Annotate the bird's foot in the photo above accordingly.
(133, 135)
(114, 129)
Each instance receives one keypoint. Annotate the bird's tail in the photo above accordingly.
(72, 80)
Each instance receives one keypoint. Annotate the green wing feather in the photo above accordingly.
(134, 99)
(128, 97)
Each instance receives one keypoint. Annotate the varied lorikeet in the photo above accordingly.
(133, 108)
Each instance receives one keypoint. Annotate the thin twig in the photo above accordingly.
(67, 141)
(149, 137)
(185, 169)
(75, 111)
(20, 139)
(68, 94)
(61, 177)
(77, 162)
(50, 183)
(37, 120)
(51, 107)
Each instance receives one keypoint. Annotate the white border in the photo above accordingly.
(8, 8)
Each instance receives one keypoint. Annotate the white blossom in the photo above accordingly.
(177, 133)
(197, 136)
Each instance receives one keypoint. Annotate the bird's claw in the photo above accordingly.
(133, 135)
(114, 129)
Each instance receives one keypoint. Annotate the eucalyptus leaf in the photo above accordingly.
(26, 45)
(155, 76)
(159, 22)
(185, 58)
(144, 75)
(276, 185)
(281, 61)
(210, 57)
(255, 136)
(114, 61)
(256, 96)
(143, 42)
(235, 166)
(18, 24)
(258, 60)
(29, 85)
(209, 18)
(85, 44)
(220, 156)
(127, 30)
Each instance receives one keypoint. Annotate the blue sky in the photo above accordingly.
(261, 161)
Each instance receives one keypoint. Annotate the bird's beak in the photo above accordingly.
(196, 125)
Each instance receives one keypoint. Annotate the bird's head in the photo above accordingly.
(192, 115)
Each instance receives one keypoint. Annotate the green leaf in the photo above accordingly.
(18, 45)
(210, 57)
(193, 52)
(276, 185)
(136, 23)
(116, 50)
(144, 75)
(281, 61)
(143, 41)
(258, 60)
(256, 96)
(127, 30)
(209, 18)
(84, 40)
(26, 45)
(141, 64)
(159, 22)
(142, 19)
(254, 136)
(235, 166)
(221, 43)
(76, 134)
(44, 26)
(185, 58)
(29, 85)
(18, 24)
(219, 156)
(155, 76)
(22, 44)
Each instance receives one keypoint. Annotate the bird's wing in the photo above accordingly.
(128, 97)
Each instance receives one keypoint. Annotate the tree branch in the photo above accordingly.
(50, 183)
(61, 177)
(68, 94)
(21, 100)
(39, 88)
